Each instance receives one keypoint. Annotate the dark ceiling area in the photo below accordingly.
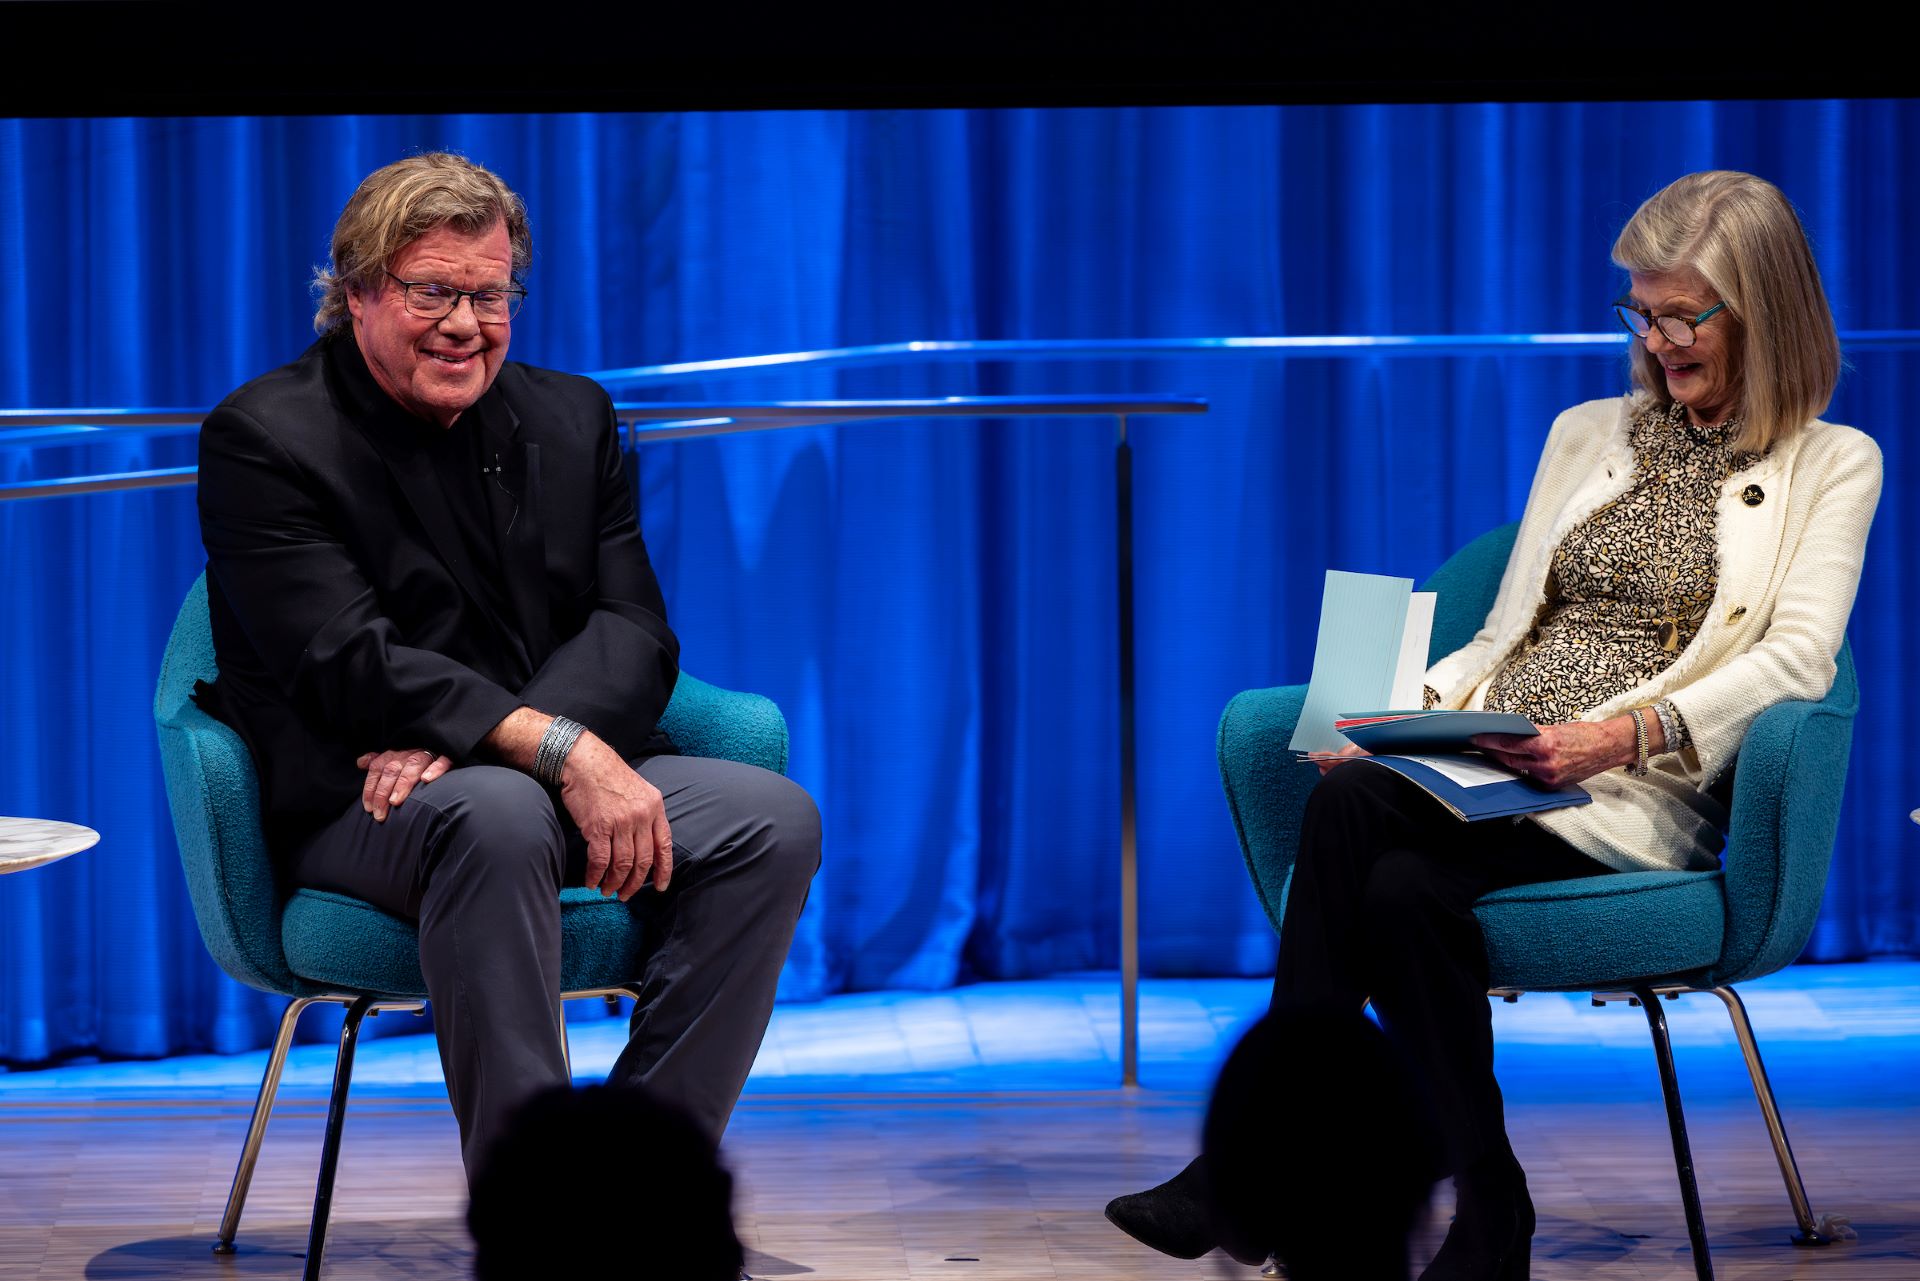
(126, 57)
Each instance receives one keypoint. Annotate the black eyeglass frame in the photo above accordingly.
(517, 295)
(1624, 305)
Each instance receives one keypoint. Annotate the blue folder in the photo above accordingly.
(1488, 800)
(1431, 732)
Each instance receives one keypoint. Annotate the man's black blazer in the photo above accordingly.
(348, 616)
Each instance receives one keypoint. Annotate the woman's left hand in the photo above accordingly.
(1563, 754)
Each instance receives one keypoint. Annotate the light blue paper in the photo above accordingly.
(1361, 619)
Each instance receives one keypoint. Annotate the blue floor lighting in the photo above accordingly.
(1829, 1032)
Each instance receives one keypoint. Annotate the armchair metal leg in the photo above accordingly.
(330, 1145)
(1810, 1233)
(611, 995)
(257, 1128)
(1677, 1124)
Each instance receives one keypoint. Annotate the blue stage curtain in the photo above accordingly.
(932, 603)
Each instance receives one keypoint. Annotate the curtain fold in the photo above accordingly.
(932, 603)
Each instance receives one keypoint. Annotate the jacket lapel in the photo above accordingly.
(522, 538)
(1749, 534)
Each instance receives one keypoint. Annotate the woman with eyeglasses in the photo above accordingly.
(1688, 557)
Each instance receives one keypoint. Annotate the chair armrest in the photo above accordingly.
(1787, 789)
(1266, 786)
(705, 720)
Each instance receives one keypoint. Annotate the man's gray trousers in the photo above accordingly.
(478, 858)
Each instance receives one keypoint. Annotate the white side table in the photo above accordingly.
(30, 842)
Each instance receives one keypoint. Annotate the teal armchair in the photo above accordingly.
(1632, 936)
(315, 947)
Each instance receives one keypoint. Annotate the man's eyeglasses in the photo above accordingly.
(431, 301)
(1677, 330)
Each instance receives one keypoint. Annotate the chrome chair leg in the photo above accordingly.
(1810, 1233)
(257, 1128)
(330, 1144)
(611, 995)
(1677, 1124)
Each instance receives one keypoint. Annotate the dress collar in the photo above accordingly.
(1720, 436)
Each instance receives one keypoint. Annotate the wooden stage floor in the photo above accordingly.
(900, 1158)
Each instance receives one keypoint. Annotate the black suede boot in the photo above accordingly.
(1492, 1234)
(1174, 1218)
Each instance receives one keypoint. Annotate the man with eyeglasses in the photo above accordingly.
(440, 636)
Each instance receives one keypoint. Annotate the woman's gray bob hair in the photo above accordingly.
(1744, 239)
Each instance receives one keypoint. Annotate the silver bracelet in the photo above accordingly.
(551, 755)
(1669, 726)
(1639, 767)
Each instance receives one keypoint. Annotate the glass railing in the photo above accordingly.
(659, 421)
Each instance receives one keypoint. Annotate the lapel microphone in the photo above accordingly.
(498, 471)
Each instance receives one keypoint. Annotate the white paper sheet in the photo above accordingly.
(1410, 675)
(1362, 617)
(1465, 771)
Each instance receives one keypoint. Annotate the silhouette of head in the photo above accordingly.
(601, 1182)
(1319, 1147)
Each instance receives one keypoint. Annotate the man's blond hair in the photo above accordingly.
(396, 205)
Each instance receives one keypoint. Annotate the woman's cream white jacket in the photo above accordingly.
(1788, 568)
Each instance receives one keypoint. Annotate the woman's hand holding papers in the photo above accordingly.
(1341, 757)
(1566, 753)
